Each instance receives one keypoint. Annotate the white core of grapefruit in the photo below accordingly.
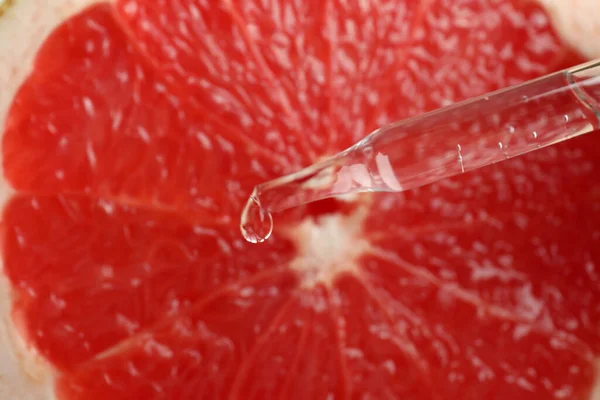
(23, 375)
(328, 246)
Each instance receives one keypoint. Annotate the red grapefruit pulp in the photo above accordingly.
(144, 126)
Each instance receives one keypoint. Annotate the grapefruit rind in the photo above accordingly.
(578, 24)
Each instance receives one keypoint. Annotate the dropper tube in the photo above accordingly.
(440, 144)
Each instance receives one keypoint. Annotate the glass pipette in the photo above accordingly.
(440, 144)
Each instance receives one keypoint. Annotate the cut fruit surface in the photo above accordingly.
(92, 272)
(100, 122)
(143, 128)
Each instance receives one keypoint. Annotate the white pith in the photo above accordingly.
(328, 246)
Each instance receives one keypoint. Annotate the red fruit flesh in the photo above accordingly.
(143, 128)
(100, 122)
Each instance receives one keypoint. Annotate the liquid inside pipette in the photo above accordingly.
(440, 144)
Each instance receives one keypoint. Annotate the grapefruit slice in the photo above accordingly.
(143, 127)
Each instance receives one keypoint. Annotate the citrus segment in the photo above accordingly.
(89, 273)
(196, 354)
(378, 362)
(319, 52)
(205, 48)
(457, 345)
(94, 119)
(523, 227)
(292, 372)
(462, 50)
(347, 68)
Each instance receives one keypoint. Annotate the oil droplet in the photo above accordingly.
(256, 224)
